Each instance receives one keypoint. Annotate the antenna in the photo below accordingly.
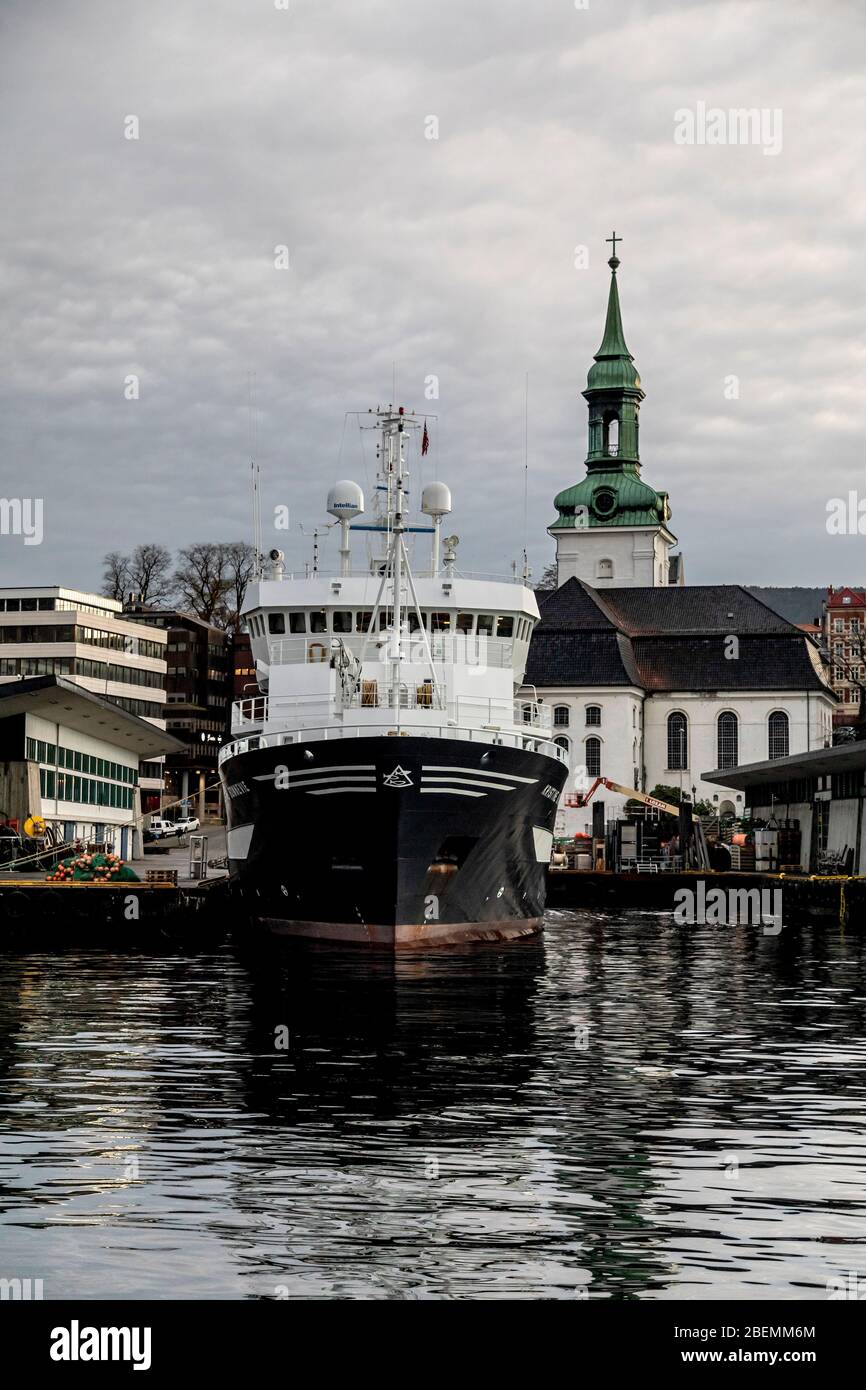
(255, 480)
(526, 570)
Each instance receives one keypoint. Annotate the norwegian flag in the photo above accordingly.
(425, 440)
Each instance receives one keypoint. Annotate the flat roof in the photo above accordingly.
(54, 697)
(58, 591)
(821, 762)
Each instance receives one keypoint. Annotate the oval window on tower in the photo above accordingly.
(604, 501)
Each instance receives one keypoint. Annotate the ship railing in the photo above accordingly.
(329, 732)
(371, 694)
(374, 571)
(258, 710)
(462, 649)
(376, 694)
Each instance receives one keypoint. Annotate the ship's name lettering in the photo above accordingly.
(236, 789)
(551, 793)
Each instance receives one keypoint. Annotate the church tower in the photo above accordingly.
(612, 529)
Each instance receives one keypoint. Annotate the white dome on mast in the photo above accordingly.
(436, 500)
(345, 499)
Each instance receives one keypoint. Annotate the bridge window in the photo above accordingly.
(362, 621)
(485, 624)
(440, 622)
(505, 626)
(297, 622)
(318, 620)
(342, 621)
(465, 621)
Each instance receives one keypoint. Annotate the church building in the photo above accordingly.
(652, 681)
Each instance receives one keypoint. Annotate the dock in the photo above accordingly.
(804, 898)
(166, 905)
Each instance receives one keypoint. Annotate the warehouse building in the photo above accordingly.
(72, 757)
(821, 791)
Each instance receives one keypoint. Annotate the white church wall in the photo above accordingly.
(614, 557)
(620, 736)
(806, 724)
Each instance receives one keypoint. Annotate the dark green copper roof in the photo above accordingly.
(613, 368)
(636, 503)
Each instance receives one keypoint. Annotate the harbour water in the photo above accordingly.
(624, 1109)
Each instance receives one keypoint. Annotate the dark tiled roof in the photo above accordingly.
(573, 607)
(699, 608)
(581, 658)
(667, 639)
(699, 663)
(797, 605)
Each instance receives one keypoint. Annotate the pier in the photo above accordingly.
(804, 898)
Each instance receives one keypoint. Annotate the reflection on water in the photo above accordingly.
(625, 1109)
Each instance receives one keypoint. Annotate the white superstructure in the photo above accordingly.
(380, 649)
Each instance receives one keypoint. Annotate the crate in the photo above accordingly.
(161, 876)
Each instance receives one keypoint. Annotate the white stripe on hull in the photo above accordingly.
(471, 782)
(318, 771)
(447, 791)
(475, 771)
(334, 791)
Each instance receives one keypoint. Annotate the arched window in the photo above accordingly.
(728, 739)
(678, 741)
(605, 569)
(593, 757)
(610, 434)
(561, 716)
(778, 731)
(563, 743)
(593, 715)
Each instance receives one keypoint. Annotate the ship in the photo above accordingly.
(390, 782)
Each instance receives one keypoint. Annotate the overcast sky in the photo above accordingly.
(307, 127)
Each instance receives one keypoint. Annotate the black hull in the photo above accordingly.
(387, 841)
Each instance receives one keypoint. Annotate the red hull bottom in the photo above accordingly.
(405, 937)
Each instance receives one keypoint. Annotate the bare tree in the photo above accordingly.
(149, 572)
(201, 580)
(115, 578)
(240, 559)
(547, 582)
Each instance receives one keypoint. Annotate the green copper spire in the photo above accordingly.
(614, 365)
(613, 492)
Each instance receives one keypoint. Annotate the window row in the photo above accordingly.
(727, 739)
(345, 621)
(80, 666)
(562, 716)
(86, 790)
(84, 636)
(39, 751)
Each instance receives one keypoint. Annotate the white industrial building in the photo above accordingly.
(72, 757)
(85, 638)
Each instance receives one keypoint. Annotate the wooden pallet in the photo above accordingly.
(161, 876)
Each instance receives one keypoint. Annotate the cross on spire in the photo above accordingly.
(614, 239)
